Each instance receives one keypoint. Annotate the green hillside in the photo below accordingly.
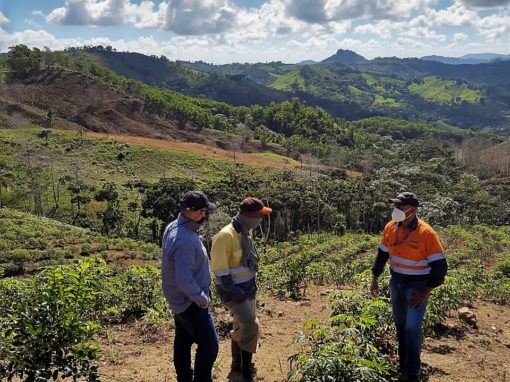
(445, 91)
(466, 96)
(29, 242)
(292, 81)
(406, 86)
(177, 76)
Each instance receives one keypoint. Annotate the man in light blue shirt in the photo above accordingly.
(185, 280)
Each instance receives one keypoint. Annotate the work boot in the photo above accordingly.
(247, 367)
(236, 356)
(404, 377)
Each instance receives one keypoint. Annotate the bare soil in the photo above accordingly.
(203, 149)
(134, 353)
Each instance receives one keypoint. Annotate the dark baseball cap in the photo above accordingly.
(196, 200)
(254, 206)
(405, 198)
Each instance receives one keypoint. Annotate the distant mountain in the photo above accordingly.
(345, 57)
(486, 56)
(471, 59)
(346, 85)
(306, 62)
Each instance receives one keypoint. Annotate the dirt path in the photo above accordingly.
(482, 355)
(202, 149)
(265, 159)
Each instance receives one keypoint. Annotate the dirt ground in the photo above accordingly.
(212, 151)
(201, 149)
(132, 353)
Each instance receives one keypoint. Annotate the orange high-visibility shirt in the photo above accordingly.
(411, 252)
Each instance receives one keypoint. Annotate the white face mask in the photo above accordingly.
(398, 215)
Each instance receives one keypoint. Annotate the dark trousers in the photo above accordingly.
(195, 325)
(408, 322)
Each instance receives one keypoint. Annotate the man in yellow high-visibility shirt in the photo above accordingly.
(417, 265)
(234, 261)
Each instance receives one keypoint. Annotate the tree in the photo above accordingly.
(111, 218)
(23, 60)
(5, 181)
(161, 202)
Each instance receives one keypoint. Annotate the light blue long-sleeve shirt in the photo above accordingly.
(185, 266)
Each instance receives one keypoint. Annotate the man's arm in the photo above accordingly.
(220, 250)
(378, 268)
(184, 253)
(380, 261)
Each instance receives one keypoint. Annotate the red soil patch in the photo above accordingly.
(201, 149)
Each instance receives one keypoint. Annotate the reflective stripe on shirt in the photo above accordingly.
(436, 256)
(406, 271)
(409, 262)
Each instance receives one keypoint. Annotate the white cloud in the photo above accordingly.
(407, 42)
(495, 27)
(382, 28)
(312, 11)
(425, 33)
(3, 19)
(288, 30)
(454, 16)
(32, 23)
(195, 17)
(320, 11)
(34, 38)
(485, 3)
(89, 12)
(143, 15)
(458, 37)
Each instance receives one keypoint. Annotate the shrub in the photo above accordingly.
(48, 323)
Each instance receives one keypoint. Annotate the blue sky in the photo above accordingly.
(224, 31)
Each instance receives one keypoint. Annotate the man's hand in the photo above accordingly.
(204, 306)
(374, 288)
(418, 297)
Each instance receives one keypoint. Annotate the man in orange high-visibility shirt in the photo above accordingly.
(417, 265)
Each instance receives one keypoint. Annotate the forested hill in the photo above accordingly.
(345, 84)
(159, 71)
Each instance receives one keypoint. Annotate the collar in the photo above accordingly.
(412, 226)
(237, 225)
(183, 220)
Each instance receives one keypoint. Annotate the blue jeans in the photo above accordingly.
(408, 322)
(195, 325)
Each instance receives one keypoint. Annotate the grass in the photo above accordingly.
(286, 81)
(445, 91)
(370, 80)
(278, 157)
(390, 102)
(96, 161)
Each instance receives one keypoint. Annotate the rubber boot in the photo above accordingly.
(236, 356)
(247, 367)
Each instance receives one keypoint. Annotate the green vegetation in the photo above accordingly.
(390, 102)
(47, 322)
(445, 91)
(358, 343)
(76, 211)
(29, 242)
(292, 81)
